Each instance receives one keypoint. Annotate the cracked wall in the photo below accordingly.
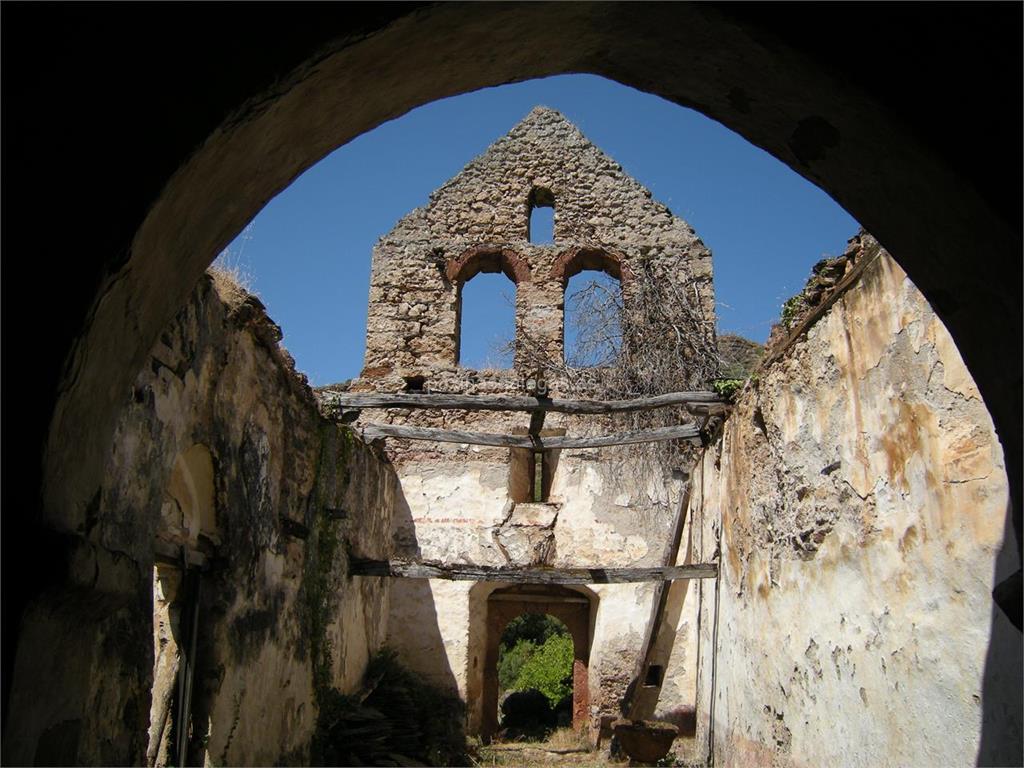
(860, 497)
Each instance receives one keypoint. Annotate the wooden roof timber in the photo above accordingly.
(516, 575)
(347, 400)
(372, 432)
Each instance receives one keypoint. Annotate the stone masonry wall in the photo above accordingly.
(218, 422)
(608, 507)
(479, 221)
(859, 500)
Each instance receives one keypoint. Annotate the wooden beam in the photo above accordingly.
(537, 422)
(519, 598)
(680, 432)
(646, 658)
(406, 570)
(515, 403)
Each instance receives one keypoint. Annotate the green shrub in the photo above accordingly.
(535, 627)
(792, 307)
(727, 388)
(549, 669)
(510, 663)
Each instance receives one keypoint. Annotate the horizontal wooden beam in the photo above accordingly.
(519, 598)
(514, 403)
(405, 570)
(679, 432)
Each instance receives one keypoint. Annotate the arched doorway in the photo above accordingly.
(185, 539)
(571, 607)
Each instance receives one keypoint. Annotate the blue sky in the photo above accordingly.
(307, 253)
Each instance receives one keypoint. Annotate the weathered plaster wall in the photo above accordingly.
(860, 497)
(453, 512)
(278, 616)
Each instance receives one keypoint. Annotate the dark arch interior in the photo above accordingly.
(197, 126)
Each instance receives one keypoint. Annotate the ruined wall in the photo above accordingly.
(860, 499)
(461, 503)
(479, 221)
(221, 449)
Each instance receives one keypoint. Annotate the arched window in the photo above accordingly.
(541, 210)
(486, 277)
(593, 304)
(593, 319)
(486, 322)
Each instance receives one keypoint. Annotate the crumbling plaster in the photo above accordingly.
(218, 385)
(860, 500)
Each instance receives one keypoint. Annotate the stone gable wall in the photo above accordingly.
(413, 321)
(608, 507)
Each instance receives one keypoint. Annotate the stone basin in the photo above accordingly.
(645, 741)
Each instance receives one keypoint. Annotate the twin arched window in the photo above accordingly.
(485, 300)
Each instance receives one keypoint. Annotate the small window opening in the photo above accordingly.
(541, 226)
(415, 383)
(538, 477)
(655, 675)
(486, 322)
(531, 471)
(593, 319)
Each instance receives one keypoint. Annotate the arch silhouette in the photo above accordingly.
(741, 68)
(150, 209)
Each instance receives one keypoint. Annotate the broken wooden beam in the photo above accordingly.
(646, 658)
(408, 570)
(680, 432)
(514, 403)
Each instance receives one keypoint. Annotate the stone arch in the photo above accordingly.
(576, 608)
(849, 124)
(850, 141)
(487, 258)
(574, 260)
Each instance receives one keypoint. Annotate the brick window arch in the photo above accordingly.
(484, 259)
(579, 258)
(487, 258)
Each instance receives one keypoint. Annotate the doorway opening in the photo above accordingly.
(538, 651)
(185, 543)
(534, 677)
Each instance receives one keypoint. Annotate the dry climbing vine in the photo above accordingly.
(649, 338)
